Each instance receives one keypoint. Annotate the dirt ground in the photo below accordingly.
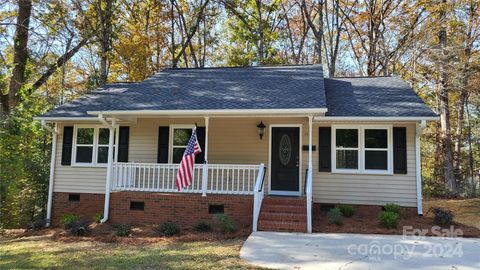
(365, 220)
(140, 235)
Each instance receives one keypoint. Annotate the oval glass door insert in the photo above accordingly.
(285, 150)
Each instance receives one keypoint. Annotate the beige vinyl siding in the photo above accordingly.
(236, 141)
(367, 189)
(76, 179)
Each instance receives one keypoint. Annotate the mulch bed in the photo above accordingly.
(140, 235)
(365, 221)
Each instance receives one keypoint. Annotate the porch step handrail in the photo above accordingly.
(258, 195)
(155, 177)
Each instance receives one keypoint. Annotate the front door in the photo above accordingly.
(285, 161)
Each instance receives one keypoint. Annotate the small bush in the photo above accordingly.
(347, 210)
(68, 220)
(442, 217)
(122, 230)
(168, 229)
(202, 227)
(227, 225)
(335, 216)
(388, 219)
(97, 218)
(391, 207)
(79, 228)
(37, 224)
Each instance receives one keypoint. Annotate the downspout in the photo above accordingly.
(418, 162)
(108, 179)
(52, 170)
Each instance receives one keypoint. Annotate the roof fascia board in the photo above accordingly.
(66, 119)
(239, 112)
(373, 118)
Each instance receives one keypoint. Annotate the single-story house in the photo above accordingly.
(276, 141)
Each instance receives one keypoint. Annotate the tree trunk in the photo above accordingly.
(372, 39)
(105, 16)
(192, 32)
(260, 32)
(172, 33)
(444, 109)
(465, 77)
(20, 57)
(317, 32)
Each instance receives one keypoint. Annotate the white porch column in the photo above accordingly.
(205, 164)
(418, 165)
(52, 175)
(108, 179)
(310, 127)
(309, 175)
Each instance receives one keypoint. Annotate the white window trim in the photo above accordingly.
(170, 140)
(95, 145)
(361, 149)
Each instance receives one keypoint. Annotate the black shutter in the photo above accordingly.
(324, 149)
(400, 150)
(162, 154)
(123, 139)
(67, 145)
(200, 158)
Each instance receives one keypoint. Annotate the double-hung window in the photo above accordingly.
(346, 149)
(91, 145)
(362, 149)
(180, 136)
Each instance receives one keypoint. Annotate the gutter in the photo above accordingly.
(299, 111)
(373, 118)
(52, 171)
(108, 178)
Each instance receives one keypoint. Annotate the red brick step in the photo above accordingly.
(286, 214)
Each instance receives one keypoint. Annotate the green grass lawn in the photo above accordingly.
(39, 252)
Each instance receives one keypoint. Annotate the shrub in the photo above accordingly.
(202, 227)
(122, 230)
(388, 219)
(37, 224)
(227, 225)
(335, 216)
(442, 217)
(168, 229)
(391, 207)
(68, 220)
(79, 227)
(347, 210)
(97, 218)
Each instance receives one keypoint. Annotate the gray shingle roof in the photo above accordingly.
(373, 97)
(283, 87)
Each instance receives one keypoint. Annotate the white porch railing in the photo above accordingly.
(258, 196)
(152, 177)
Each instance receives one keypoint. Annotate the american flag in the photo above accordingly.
(185, 169)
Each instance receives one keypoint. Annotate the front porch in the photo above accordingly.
(227, 141)
(279, 213)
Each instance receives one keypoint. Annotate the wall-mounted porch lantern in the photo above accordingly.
(261, 129)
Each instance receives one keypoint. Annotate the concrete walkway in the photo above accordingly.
(359, 251)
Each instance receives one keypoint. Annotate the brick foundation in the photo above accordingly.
(182, 209)
(88, 206)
